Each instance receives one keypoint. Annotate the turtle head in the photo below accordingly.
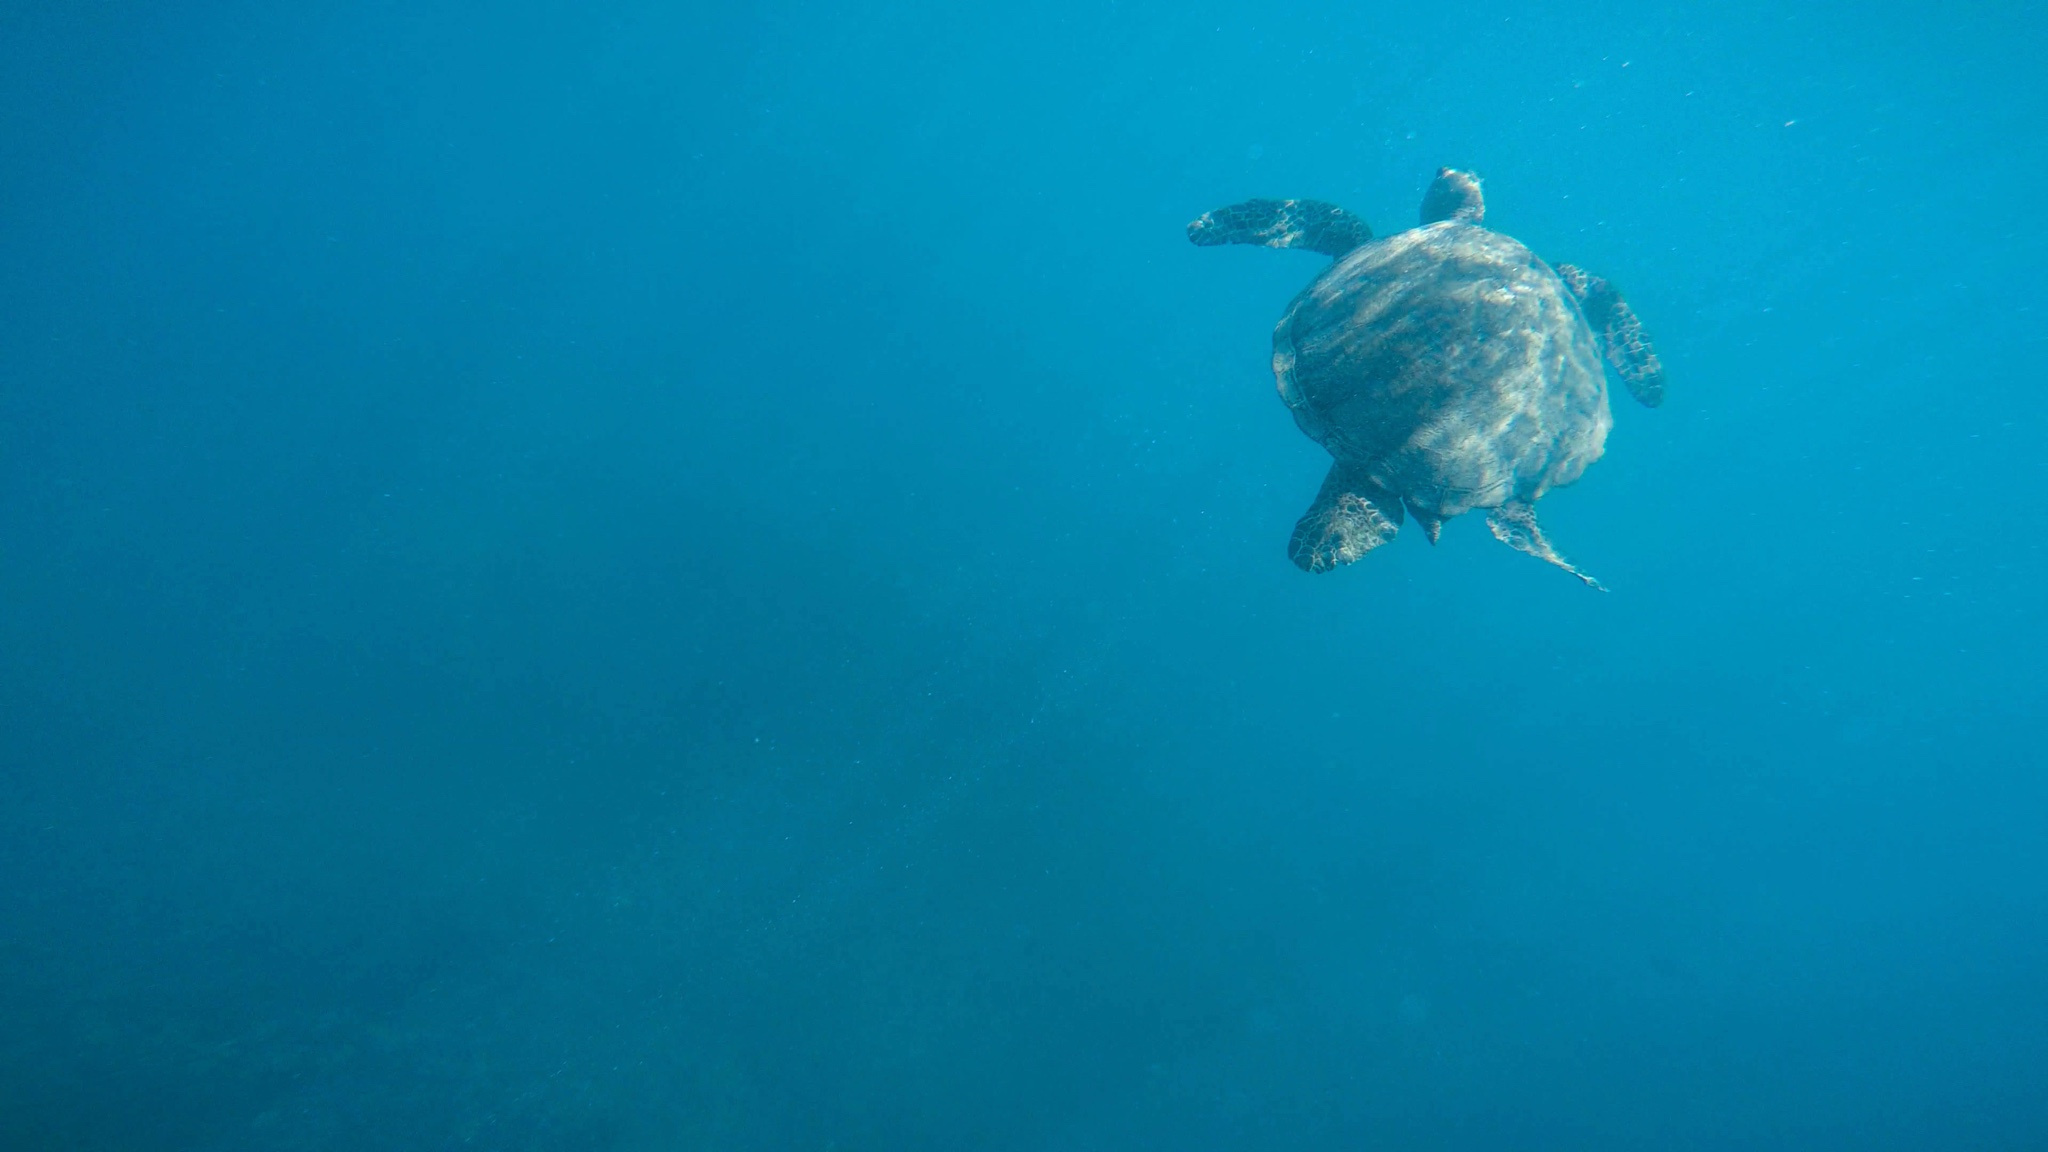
(1453, 195)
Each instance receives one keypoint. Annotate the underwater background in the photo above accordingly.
(636, 576)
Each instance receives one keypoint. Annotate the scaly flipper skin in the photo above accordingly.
(1514, 524)
(1621, 334)
(1310, 224)
(1351, 516)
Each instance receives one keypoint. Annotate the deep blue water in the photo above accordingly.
(632, 576)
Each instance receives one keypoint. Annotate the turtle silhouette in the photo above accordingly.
(1445, 368)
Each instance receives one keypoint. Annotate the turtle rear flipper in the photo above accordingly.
(1351, 516)
(1514, 524)
(1310, 224)
(1621, 334)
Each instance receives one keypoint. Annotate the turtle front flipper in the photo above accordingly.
(1351, 516)
(1514, 524)
(1310, 224)
(1621, 334)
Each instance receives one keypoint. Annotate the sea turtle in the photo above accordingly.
(1446, 368)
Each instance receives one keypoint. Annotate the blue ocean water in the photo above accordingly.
(634, 576)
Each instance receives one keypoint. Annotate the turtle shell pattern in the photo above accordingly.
(1450, 364)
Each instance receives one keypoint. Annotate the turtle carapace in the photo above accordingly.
(1445, 368)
